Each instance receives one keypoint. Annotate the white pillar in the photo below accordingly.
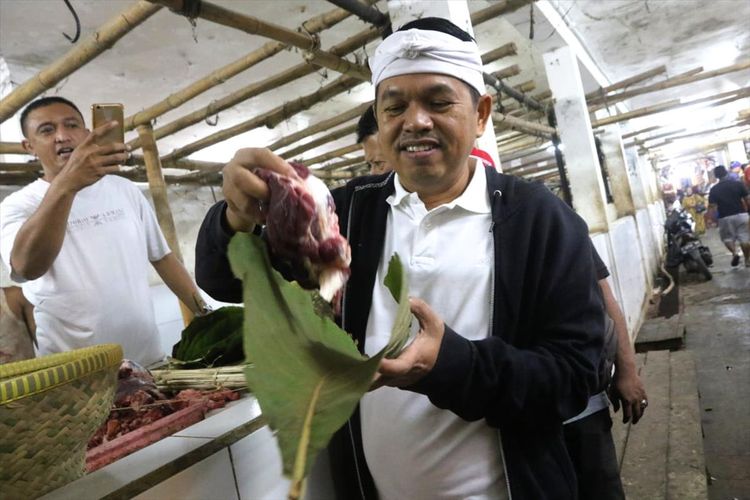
(736, 152)
(637, 185)
(617, 167)
(457, 12)
(574, 126)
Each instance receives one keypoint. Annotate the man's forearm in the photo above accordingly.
(177, 278)
(40, 239)
(625, 359)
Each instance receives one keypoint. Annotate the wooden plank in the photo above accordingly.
(644, 467)
(660, 334)
(686, 466)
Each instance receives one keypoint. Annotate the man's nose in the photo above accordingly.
(417, 119)
(61, 135)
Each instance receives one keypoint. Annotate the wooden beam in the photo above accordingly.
(507, 72)
(335, 135)
(641, 131)
(725, 97)
(331, 155)
(532, 128)
(81, 53)
(509, 49)
(339, 165)
(254, 26)
(270, 118)
(271, 83)
(622, 84)
(496, 9)
(674, 82)
(320, 126)
(158, 188)
(12, 148)
(219, 76)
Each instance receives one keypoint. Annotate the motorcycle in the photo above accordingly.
(684, 246)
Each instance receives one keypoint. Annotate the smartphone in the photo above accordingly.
(103, 113)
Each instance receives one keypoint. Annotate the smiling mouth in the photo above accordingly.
(64, 151)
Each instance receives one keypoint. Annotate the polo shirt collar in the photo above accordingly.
(473, 199)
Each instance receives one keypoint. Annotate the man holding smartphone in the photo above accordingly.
(79, 240)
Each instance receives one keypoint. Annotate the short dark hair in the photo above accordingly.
(43, 102)
(720, 171)
(444, 26)
(367, 125)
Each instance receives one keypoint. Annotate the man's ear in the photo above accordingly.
(484, 109)
(28, 147)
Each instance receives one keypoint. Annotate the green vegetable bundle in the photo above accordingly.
(211, 340)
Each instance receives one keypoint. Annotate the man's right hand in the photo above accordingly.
(90, 162)
(244, 191)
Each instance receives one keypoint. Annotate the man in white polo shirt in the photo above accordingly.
(501, 279)
(80, 240)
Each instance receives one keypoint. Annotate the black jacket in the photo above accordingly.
(536, 370)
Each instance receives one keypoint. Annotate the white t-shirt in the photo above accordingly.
(415, 450)
(97, 288)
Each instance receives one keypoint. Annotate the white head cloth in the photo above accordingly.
(427, 51)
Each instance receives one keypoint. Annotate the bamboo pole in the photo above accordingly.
(675, 82)
(336, 134)
(367, 13)
(602, 101)
(517, 155)
(653, 137)
(703, 132)
(507, 72)
(725, 97)
(640, 77)
(320, 126)
(338, 165)
(254, 26)
(533, 166)
(528, 127)
(219, 76)
(83, 52)
(641, 131)
(12, 148)
(271, 83)
(270, 118)
(336, 153)
(28, 167)
(497, 9)
(274, 82)
(158, 188)
(509, 49)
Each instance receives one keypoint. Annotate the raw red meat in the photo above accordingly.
(139, 403)
(302, 227)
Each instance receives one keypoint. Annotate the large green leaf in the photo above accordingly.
(211, 340)
(305, 371)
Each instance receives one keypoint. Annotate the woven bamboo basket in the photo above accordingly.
(49, 409)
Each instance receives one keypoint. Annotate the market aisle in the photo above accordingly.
(717, 319)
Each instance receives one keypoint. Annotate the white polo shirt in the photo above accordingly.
(415, 450)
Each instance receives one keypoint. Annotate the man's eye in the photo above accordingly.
(394, 109)
(72, 125)
(45, 130)
(440, 104)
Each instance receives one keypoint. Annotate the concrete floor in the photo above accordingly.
(717, 319)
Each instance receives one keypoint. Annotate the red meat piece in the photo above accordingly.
(302, 227)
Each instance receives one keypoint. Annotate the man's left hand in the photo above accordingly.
(630, 393)
(420, 356)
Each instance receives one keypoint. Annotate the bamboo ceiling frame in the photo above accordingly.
(288, 109)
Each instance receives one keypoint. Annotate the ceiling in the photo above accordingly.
(166, 53)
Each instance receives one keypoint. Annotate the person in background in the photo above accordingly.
(17, 328)
(80, 240)
(695, 204)
(502, 284)
(367, 136)
(735, 171)
(588, 436)
(728, 202)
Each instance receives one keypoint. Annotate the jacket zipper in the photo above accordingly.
(343, 324)
(497, 193)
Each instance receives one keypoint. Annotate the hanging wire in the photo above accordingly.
(75, 38)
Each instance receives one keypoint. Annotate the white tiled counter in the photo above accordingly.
(230, 455)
